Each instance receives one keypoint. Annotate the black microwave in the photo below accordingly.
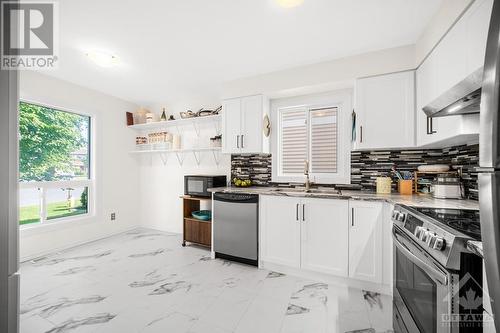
(198, 185)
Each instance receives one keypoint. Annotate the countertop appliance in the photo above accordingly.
(448, 187)
(434, 270)
(9, 228)
(235, 227)
(489, 162)
(198, 185)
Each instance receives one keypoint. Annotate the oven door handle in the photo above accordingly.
(435, 273)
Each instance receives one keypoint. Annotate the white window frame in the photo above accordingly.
(43, 186)
(342, 100)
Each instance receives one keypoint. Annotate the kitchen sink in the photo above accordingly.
(313, 190)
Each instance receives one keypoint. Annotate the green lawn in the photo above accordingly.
(31, 214)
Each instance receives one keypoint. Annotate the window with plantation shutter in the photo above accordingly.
(308, 134)
(315, 128)
(293, 140)
(323, 150)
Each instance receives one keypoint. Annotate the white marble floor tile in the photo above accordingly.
(144, 281)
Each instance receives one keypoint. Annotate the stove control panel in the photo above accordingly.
(437, 243)
(422, 233)
(432, 236)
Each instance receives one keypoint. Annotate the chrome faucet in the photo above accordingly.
(307, 184)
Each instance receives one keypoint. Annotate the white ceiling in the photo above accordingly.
(172, 50)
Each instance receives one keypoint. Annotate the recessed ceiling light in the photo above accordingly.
(103, 59)
(289, 3)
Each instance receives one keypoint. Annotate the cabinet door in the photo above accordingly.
(280, 230)
(365, 240)
(387, 256)
(426, 86)
(428, 90)
(251, 124)
(451, 58)
(325, 236)
(477, 24)
(231, 125)
(386, 110)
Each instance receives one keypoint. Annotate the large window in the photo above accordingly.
(313, 129)
(54, 164)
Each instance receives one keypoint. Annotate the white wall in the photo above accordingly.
(449, 13)
(117, 186)
(325, 76)
(162, 185)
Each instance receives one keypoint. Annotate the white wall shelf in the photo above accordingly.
(179, 123)
(181, 153)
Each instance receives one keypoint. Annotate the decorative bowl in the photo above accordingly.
(203, 215)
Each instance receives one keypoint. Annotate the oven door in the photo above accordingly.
(196, 186)
(423, 297)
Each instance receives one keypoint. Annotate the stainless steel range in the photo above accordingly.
(437, 281)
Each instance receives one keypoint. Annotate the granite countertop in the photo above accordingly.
(416, 200)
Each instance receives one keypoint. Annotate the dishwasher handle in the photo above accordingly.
(236, 197)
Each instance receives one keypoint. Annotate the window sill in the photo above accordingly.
(54, 225)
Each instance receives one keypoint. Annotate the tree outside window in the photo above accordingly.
(54, 160)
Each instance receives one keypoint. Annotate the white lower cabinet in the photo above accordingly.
(325, 236)
(387, 246)
(365, 240)
(311, 234)
(280, 230)
(346, 238)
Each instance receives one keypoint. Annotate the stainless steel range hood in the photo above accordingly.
(463, 98)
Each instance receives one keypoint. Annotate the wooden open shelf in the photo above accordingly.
(195, 231)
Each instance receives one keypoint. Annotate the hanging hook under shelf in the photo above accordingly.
(217, 157)
(164, 158)
(179, 158)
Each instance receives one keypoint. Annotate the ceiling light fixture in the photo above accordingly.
(289, 3)
(102, 59)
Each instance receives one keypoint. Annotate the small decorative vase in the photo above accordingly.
(163, 115)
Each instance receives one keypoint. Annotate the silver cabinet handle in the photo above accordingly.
(297, 212)
(238, 141)
(430, 126)
(361, 134)
(352, 217)
(303, 212)
(242, 142)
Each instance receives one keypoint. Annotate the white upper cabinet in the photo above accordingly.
(325, 236)
(231, 125)
(385, 109)
(477, 22)
(365, 240)
(459, 53)
(242, 121)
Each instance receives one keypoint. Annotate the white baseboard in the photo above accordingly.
(77, 244)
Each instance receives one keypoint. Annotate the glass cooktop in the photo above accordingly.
(463, 220)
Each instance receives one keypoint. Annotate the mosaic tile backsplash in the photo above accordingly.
(256, 167)
(366, 166)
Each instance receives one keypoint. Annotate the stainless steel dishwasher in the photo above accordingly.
(235, 225)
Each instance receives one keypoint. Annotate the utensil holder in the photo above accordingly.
(405, 186)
